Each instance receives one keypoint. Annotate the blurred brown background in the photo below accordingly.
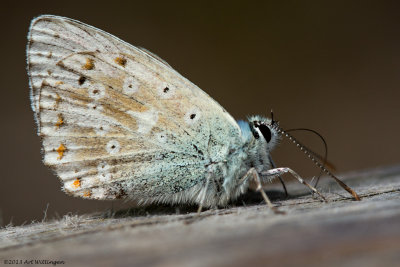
(333, 67)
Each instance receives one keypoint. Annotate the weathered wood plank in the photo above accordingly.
(340, 232)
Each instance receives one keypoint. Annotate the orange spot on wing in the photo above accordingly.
(58, 100)
(87, 193)
(60, 121)
(59, 82)
(89, 65)
(120, 61)
(60, 150)
(77, 183)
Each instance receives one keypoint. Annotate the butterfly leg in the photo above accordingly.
(252, 172)
(280, 171)
(203, 192)
(279, 177)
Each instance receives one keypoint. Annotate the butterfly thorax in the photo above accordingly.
(258, 139)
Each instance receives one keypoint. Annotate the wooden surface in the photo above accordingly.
(341, 232)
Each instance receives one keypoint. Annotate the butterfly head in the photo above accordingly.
(264, 131)
(260, 136)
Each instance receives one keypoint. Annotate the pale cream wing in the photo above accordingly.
(115, 120)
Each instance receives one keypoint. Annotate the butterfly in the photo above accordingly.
(116, 121)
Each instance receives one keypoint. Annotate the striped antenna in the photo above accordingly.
(316, 162)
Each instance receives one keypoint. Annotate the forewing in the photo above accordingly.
(115, 120)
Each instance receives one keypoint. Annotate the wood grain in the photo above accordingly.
(341, 232)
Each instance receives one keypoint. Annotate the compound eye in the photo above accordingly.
(266, 132)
